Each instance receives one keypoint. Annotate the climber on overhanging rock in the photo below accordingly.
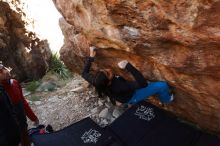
(120, 90)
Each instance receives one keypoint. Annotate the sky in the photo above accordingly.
(46, 21)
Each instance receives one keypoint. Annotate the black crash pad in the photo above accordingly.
(83, 133)
(142, 125)
(170, 133)
(208, 140)
(146, 125)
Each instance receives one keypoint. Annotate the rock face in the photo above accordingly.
(177, 41)
(26, 54)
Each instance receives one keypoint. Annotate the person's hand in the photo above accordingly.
(36, 123)
(92, 51)
(122, 64)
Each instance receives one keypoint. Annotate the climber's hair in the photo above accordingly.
(100, 82)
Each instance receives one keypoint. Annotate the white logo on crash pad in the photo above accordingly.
(91, 136)
(145, 113)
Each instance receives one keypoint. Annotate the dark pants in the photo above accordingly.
(12, 123)
(9, 132)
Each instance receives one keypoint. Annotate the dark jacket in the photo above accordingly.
(120, 89)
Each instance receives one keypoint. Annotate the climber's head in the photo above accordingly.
(102, 79)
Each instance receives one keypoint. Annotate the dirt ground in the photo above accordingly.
(71, 103)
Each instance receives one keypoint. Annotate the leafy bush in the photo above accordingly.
(34, 98)
(32, 86)
(58, 67)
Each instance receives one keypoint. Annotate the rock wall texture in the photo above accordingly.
(177, 41)
(21, 50)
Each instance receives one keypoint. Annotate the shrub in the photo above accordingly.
(32, 86)
(34, 98)
(58, 67)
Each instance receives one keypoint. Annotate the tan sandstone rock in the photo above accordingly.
(21, 50)
(177, 41)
